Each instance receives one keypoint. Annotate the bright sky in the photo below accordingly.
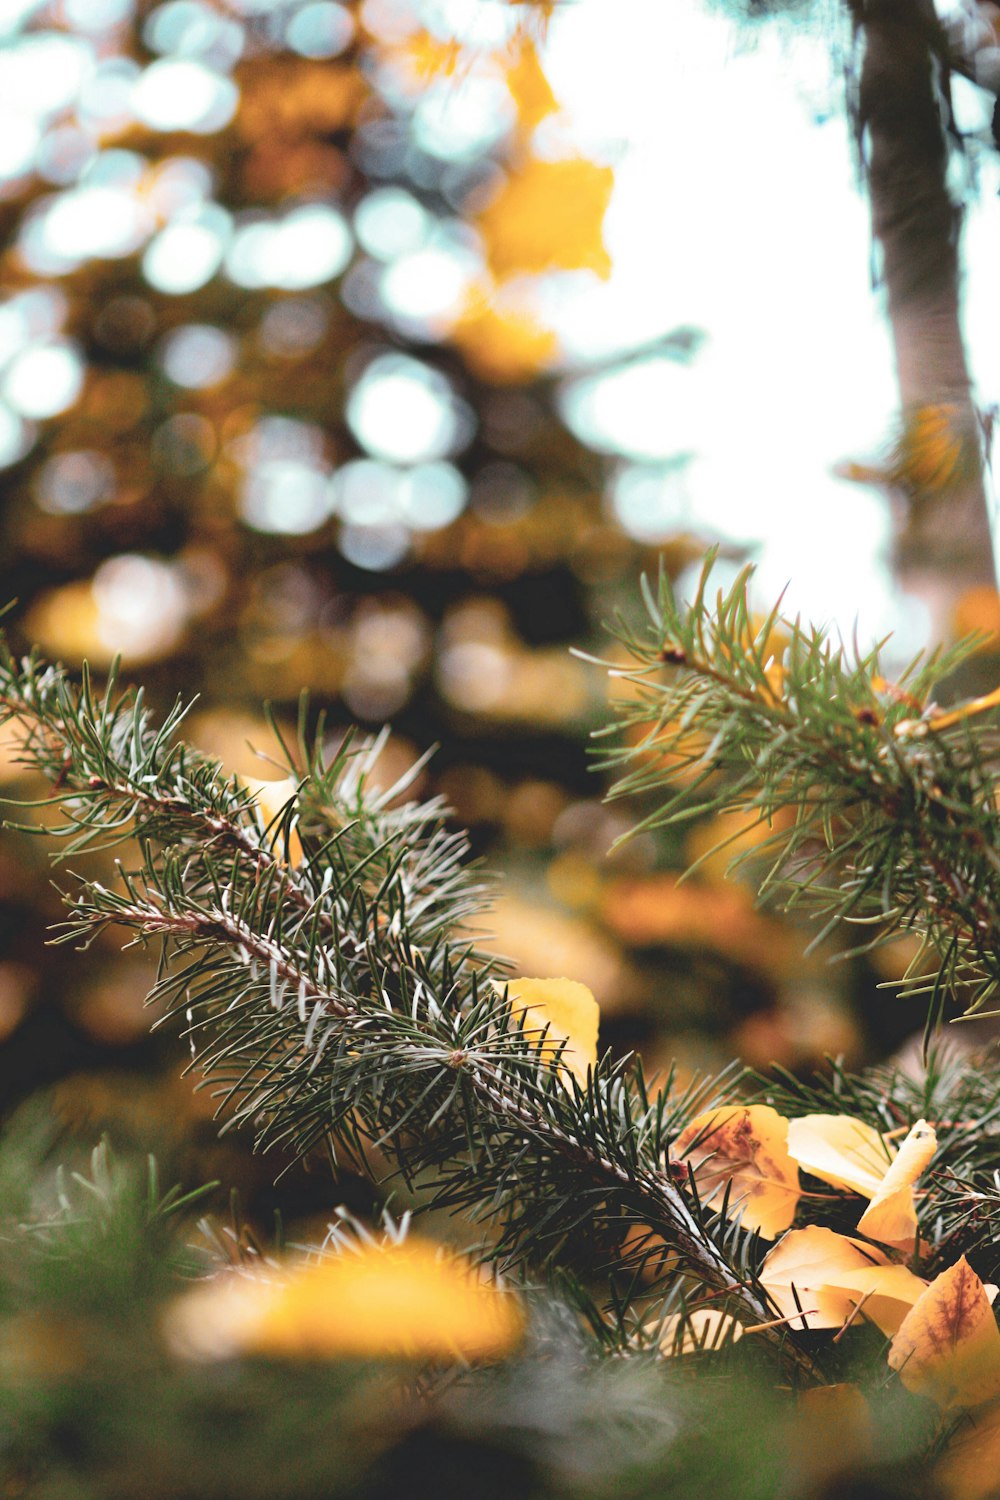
(737, 210)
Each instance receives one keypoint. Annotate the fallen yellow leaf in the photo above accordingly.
(804, 1273)
(883, 1295)
(705, 1328)
(413, 1300)
(948, 1345)
(560, 1013)
(846, 1153)
(891, 1217)
(743, 1149)
(549, 216)
(272, 797)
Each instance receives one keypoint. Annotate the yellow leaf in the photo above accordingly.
(703, 1329)
(549, 216)
(560, 1012)
(747, 1148)
(413, 1300)
(882, 1294)
(852, 1156)
(803, 1275)
(969, 1469)
(948, 1345)
(272, 797)
(528, 84)
(501, 341)
(842, 1151)
(891, 1216)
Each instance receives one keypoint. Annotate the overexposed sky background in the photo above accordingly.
(737, 210)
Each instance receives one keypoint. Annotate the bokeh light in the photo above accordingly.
(180, 94)
(188, 252)
(71, 483)
(198, 355)
(44, 380)
(404, 411)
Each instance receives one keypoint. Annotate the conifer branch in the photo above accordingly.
(336, 1004)
(880, 805)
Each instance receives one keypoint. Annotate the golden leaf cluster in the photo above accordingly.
(503, 343)
(753, 1154)
(944, 1341)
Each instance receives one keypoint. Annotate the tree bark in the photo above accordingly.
(945, 545)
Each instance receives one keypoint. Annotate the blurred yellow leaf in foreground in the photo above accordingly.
(836, 1433)
(413, 1300)
(971, 1462)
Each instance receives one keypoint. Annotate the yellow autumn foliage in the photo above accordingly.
(891, 1216)
(743, 1150)
(948, 1345)
(977, 612)
(818, 1278)
(428, 57)
(529, 87)
(836, 1431)
(937, 450)
(414, 1301)
(846, 1153)
(296, 97)
(500, 340)
(969, 1467)
(854, 1157)
(548, 216)
(560, 1013)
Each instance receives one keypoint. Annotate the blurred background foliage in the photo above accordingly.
(280, 410)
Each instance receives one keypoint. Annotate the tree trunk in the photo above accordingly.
(945, 546)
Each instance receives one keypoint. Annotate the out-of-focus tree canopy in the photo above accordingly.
(279, 408)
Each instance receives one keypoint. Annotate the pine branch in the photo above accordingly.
(334, 1004)
(881, 806)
